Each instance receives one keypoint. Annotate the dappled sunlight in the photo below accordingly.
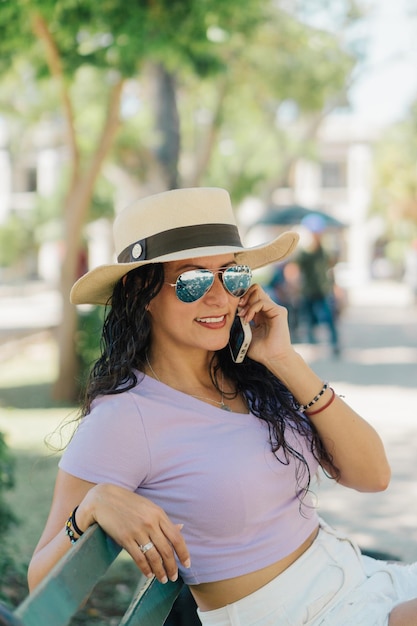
(383, 521)
(374, 356)
(30, 359)
(377, 374)
(43, 431)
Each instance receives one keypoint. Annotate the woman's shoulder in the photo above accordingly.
(121, 402)
(122, 392)
(129, 402)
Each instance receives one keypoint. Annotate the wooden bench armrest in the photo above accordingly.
(70, 582)
(59, 596)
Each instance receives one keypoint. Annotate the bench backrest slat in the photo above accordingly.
(60, 595)
(57, 599)
(71, 581)
(152, 603)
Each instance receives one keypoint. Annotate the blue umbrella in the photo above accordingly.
(295, 214)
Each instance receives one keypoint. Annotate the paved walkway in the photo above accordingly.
(377, 373)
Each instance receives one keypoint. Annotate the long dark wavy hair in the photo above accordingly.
(125, 341)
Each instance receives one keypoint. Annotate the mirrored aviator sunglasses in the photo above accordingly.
(192, 285)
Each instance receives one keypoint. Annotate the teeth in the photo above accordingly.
(210, 320)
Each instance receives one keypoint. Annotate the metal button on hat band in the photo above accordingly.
(136, 251)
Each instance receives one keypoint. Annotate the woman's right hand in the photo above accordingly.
(134, 521)
(131, 520)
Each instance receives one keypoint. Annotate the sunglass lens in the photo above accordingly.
(192, 285)
(237, 280)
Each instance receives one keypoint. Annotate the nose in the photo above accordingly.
(217, 292)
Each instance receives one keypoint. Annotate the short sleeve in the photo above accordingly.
(110, 445)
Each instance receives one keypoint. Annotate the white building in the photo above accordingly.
(339, 182)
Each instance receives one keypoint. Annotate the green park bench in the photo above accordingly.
(56, 600)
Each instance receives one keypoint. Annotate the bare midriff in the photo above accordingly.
(210, 596)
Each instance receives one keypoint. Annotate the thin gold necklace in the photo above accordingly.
(220, 403)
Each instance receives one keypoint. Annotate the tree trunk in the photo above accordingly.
(208, 142)
(66, 387)
(167, 124)
(76, 206)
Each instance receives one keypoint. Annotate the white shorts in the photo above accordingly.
(331, 584)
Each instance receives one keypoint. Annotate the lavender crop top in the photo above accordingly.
(209, 469)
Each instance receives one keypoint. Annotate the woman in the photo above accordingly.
(198, 465)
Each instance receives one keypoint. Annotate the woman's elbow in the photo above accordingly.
(34, 576)
(31, 580)
(384, 479)
(367, 481)
(377, 481)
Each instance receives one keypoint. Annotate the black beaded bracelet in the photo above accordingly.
(74, 523)
(70, 526)
(304, 407)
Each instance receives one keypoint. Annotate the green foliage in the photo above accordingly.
(286, 63)
(7, 517)
(120, 36)
(90, 322)
(293, 61)
(102, 203)
(266, 55)
(16, 241)
(395, 183)
(6, 483)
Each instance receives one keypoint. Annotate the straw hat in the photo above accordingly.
(171, 226)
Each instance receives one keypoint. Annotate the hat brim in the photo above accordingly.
(96, 286)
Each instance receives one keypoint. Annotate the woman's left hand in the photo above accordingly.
(271, 339)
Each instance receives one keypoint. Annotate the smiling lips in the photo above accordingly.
(214, 322)
(209, 320)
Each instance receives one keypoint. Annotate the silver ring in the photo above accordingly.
(146, 547)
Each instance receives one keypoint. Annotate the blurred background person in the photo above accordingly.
(284, 288)
(317, 296)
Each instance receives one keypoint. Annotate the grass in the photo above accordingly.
(28, 416)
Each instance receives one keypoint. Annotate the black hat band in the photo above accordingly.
(182, 238)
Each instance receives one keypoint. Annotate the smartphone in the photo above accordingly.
(240, 338)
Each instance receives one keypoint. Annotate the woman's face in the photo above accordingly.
(203, 324)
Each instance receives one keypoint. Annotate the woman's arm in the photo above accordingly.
(354, 445)
(128, 518)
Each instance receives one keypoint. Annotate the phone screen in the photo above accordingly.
(240, 338)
